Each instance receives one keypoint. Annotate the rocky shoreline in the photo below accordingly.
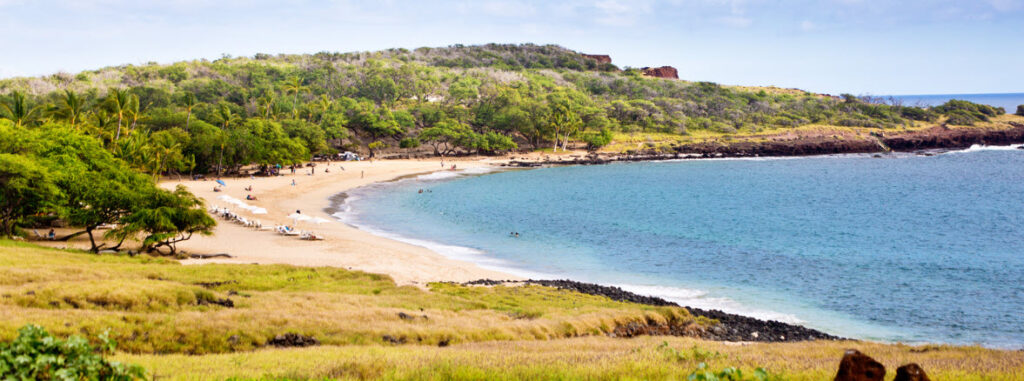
(730, 327)
(935, 138)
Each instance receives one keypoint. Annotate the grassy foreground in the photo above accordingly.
(166, 317)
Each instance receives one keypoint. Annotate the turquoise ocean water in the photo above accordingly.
(900, 248)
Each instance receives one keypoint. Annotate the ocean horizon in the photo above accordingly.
(1008, 101)
(868, 248)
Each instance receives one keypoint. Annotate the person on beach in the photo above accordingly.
(362, 174)
(293, 182)
(51, 235)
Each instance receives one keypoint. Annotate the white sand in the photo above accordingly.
(344, 246)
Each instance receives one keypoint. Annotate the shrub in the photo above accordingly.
(1020, 110)
(36, 355)
(962, 118)
(409, 143)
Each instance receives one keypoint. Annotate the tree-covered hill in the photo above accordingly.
(212, 116)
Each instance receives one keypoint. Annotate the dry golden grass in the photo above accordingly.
(159, 306)
(592, 358)
(152, 308)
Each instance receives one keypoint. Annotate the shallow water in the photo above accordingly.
(902, 248)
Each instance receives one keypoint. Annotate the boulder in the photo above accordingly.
(661, 72)
(911, 372)
(857, 366)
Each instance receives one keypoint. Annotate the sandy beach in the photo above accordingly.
(344, 246)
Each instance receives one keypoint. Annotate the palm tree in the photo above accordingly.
(323, 105)
(294, 86)
(266, 103)
(72, 107)
(118, 100)
(189, 101)
(134, 111)
(225, 114)
(17, 109)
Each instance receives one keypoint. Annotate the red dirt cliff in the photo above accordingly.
(600, 58)
(661, 72)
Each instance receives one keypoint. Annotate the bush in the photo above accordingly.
(409, 143)
(962, 118)
(1020, 110)
(36, 355)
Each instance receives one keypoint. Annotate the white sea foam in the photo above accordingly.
(979, 147)
(448, 174)
(700, 299)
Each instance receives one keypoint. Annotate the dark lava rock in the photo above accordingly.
(405, 316)
(293, 340)
(911, 372)
(730, 327)
(856, 366)
(225, 302)
(393, 340)
(215, 284)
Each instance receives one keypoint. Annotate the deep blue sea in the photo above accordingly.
(900, 248)
(1008, 101)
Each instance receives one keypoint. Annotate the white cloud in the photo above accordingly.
(736, 21)
(1006, 5)
(807, 26)
(620, 13)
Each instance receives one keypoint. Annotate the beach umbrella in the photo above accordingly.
(221, 182)
(298, 217)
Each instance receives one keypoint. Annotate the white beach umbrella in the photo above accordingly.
(298, 217)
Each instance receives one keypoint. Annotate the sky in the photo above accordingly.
(863, 47)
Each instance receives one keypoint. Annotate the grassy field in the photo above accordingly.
(166, 318)
(159, 306)
(591, 358)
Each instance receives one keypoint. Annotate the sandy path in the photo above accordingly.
(344, 246)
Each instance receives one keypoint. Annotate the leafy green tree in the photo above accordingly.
(446, 136)
(37, 355)
(25, 190)
(376, 146)
(596, 140)
(464, 91)
(166, 219)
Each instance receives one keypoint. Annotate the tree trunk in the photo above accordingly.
(118, 135)
(188, 118)
(92, 240)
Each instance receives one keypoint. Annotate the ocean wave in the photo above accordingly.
(449, 174)
(981, 147)
(699, 299)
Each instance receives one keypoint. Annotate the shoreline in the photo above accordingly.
(351, 247)
(344, 246)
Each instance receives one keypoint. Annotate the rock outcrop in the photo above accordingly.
(856, 366)
(600, 58)
(953, 138)
(910, 372)
(730, 327)
(293, 340)
(661, 72)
